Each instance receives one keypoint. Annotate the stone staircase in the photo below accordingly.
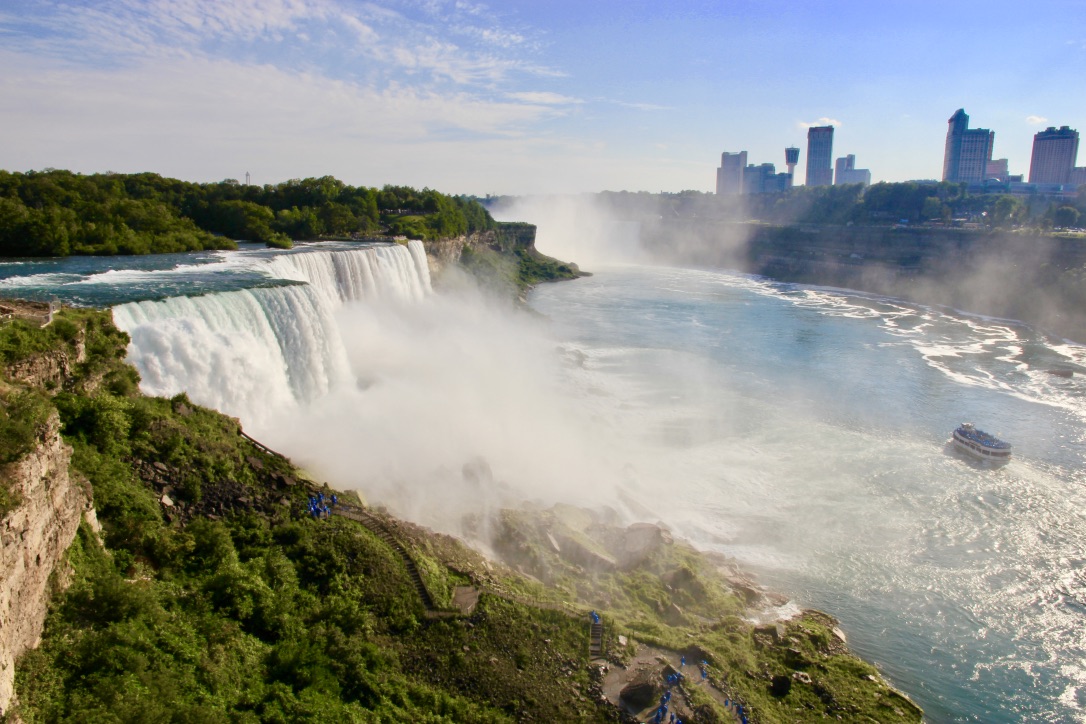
(376, 526)
(595, 640)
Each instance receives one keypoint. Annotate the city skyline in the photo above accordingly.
(523, 97)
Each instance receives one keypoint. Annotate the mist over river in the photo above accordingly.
(800, 430)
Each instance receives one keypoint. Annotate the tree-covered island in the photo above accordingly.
(60, 213)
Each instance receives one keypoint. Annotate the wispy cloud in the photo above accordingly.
(824, 121)
(1036, 120)
(544, 98)
(339, 39)
(642, 106)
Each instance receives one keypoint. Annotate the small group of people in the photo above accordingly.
(319, 507)
(738, 709)
(663, 716)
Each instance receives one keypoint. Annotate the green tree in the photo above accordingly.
(1006, 211)
(1066, 216)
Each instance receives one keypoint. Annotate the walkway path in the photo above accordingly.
(377, 527)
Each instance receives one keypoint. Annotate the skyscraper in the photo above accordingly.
(968, 150)
(729, 177)
(1054, 155)
(820, 156)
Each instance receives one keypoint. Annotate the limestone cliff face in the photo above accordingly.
(506, 238)
(33, 540)
(49, 371)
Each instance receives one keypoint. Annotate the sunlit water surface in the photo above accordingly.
(803, 431)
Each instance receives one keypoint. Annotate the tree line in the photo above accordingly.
(60, 213)
(879, 204)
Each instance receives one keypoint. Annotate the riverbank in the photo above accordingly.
(1035, 278)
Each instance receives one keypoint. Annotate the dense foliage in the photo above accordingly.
(57, 213)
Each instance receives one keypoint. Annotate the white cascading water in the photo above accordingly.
(259, 352)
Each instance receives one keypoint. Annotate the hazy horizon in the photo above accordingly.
(526, 97)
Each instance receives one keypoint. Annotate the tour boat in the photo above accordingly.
(981, 445)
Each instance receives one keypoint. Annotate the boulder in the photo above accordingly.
(640, 541)
(642, 691)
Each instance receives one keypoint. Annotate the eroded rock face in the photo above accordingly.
(640, 541)
(48, 371)
(33, 540)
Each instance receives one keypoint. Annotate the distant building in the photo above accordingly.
(1078, 176)
(820, 156)
(1054, 155)
(845, 172)
(791, 158)
(764, 179)
(998, 169)
(735, 176)
(968, 150)
(729, 177)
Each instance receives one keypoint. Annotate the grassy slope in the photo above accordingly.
(234, 605)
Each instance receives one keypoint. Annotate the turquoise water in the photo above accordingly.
(803, 431)
(800, 430)
(107, 281)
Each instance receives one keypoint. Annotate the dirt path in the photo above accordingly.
(645, 680)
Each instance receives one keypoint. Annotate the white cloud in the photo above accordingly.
(257, 89)
(823, 121)
(342, 39)
(544, 98)
(206, 120)
(1036, 120)
(642, 106)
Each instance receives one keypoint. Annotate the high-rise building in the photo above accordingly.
(845, 172)
(791, 158)
(968, 150)
(1054, 155)
(820, 156)
(729, 177)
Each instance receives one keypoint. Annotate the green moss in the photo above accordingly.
(23, 416)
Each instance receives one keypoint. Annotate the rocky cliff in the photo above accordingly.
(34, 537)
(506, 238)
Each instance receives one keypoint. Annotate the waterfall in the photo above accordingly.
(259, 352)
(379, 272)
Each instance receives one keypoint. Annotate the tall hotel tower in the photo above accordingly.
(730, 177)
(968, 150)
(820, 156)
(1054, 154)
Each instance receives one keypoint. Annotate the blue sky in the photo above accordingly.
(523, 97)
